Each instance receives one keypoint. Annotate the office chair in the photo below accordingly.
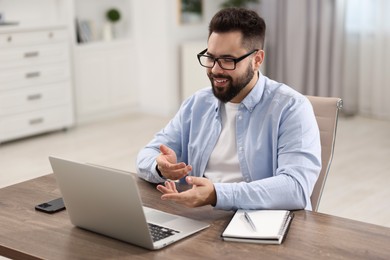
(326, 110)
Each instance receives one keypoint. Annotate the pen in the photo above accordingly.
(249, 220)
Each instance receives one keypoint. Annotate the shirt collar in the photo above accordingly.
(253, 97)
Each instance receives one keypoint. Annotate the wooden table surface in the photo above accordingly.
(29, 234)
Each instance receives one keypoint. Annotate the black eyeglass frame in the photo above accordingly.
(235, 60)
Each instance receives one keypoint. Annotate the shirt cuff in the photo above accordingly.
(157, 173)
(225, 198)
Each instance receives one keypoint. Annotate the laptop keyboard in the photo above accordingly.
(159, 232)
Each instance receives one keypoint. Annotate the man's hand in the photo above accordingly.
(168, 166)
(202, 192)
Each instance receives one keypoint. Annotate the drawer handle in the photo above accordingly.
(36, 121)
(31, 54)
(34, 96)
(9, 39)
(33, 74)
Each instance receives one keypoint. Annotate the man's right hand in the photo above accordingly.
(168, 166)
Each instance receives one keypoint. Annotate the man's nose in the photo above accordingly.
(217, 68)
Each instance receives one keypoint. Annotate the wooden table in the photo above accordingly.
(29, 234)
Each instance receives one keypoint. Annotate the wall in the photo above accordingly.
(156, 32)
(158, 36)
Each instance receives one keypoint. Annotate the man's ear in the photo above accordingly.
(259, 58)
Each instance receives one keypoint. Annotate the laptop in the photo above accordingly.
(107, 201)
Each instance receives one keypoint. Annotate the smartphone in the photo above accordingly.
(51, 206)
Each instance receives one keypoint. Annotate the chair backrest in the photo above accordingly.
(326, 110)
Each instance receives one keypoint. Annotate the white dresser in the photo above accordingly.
(35, 81)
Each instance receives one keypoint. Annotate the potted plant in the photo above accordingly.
(113, 16)
(238, 3)
(191, 11)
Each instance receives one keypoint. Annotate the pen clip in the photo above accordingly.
(249, 220)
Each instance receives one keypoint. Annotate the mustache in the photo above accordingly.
(211, 75)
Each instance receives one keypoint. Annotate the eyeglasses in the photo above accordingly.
(225, 63)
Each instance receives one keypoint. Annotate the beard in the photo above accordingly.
(227, 93)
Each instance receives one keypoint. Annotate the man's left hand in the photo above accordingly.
(202, 192)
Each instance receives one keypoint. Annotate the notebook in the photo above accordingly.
(107, 201)
(258, 226)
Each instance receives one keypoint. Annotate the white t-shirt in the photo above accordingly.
(223, 165)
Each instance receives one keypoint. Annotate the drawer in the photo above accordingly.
(35, 98)
(33, 55)
(22, 125)
(14, 39)
(34, 76)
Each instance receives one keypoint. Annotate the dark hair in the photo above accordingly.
(248, 22)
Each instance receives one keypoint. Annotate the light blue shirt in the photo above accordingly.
(278, 146)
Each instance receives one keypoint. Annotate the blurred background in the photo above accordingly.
(319, 47)
(112, 72)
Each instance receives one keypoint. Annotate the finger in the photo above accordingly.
(170, 185)
(175, 174)
(171, 172)
(165, 150)
(198, 181)
(163, 189)
(174, 187)
(164, 163)
(181, 171)
(166, 166)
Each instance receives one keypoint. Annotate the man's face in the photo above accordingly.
(230, 85)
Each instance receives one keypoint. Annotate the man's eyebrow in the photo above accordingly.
(221, 56)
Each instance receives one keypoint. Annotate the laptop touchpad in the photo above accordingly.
(158, 216)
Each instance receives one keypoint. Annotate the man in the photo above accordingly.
(247, 142)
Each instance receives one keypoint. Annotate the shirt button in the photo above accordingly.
(241, 148)
(239, 117)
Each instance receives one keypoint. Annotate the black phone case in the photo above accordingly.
(51, 206)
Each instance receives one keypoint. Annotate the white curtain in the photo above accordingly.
(368, 36)
(332, 48)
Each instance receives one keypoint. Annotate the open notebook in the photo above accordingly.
(258, 226)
